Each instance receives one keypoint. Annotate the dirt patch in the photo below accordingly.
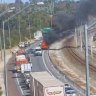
(69, 66)
(8, 56)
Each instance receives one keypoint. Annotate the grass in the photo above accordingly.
(0, 91)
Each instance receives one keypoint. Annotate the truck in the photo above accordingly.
(21, 52)
(43, 84)
(20, 59)
(38, 35)
(26, 68)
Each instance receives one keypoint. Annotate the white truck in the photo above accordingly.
(38, 35)
(43, 84)
(26, 68)
(20, 59)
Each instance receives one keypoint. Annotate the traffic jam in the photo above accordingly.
(23, 67)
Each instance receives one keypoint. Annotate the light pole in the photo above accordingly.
(9, 34)
(6, 11)
(19, 23)
(5, 67)
(75, 38)
(29, 27)
(86, 57)
(3, 13)
(19, 29)
(52, 10)
(1, 46)
(87, 63)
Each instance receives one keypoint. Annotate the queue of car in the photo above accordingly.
(37, 51)
(23, 44)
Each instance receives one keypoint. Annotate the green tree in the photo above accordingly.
(18, 2)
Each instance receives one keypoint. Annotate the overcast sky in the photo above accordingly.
(12, 1)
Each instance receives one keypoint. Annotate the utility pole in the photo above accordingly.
(51, 11)
(75, 37)
(5, 67)
(1, 46)
(9, 35)
(19, 23)
(19, 29)
(87, 62)
(29, 26)
(81, 40)
(91, 48)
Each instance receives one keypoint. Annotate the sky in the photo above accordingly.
(12, 1)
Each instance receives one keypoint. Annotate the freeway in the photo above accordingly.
(44, 64)
(12, 84)
(16, 82)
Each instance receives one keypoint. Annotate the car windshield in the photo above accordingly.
(37, 49)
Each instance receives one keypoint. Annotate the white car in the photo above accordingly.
(21, 44)
(38, 51)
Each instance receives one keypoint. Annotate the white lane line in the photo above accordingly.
(19, 85)
(45, 63)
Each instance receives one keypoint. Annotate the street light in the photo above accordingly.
(5, 68)
(1, 14)
(52, 10)
(19, 29)
(87, 62)
(29, 26)
(86, 57)
(6, 11)
(9, 35)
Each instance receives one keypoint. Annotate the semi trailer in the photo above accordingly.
(43, 84)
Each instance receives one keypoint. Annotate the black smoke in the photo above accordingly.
(86, 8)
(63, 21)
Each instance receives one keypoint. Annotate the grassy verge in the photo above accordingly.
(0, 91)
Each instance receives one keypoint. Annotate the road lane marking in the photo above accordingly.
(45, 63)
(19, 85)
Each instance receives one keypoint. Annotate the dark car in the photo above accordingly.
(31, 51)
(69, 89)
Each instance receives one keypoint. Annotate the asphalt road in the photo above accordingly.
(12, 84)
(16, 83)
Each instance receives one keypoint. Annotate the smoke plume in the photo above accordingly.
(86, 8)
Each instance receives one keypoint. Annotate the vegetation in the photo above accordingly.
(0, 92)
(37, 16)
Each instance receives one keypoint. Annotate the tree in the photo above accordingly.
(19, 4)
(32, 1)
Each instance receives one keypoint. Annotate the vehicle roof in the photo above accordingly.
(20, 57)
(46, 79)
(38, 47)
